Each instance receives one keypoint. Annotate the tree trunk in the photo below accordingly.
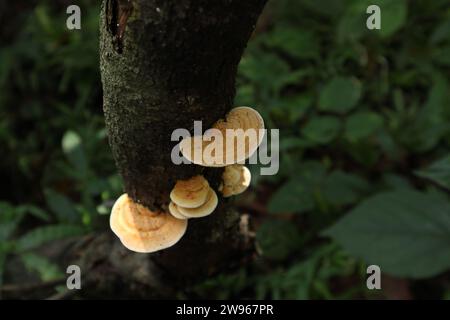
(164, 64)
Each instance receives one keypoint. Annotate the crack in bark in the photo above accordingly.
(117, 13)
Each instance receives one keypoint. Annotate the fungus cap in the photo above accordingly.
(206, 209)
(231, 186)
(142, 230)
(241, 134)
(173, 209)
(190, 193)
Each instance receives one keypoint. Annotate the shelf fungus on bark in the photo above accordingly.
(235, 180)
(229, 141)
(173, 209)
(192, 198)
(204, 210)
(142, 230)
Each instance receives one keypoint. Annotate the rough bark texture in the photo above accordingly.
(164, 64)
(173, 63)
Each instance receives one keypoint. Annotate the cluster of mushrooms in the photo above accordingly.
(142, 230)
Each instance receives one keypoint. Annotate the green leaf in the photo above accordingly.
(42, 235)
(296, 42)
(340, 95)
(244, 95)
(441, 33)
(292, 197)
(442, 55)
(293, 107)
(265, 70)
(36, 212)
(277, 239)
(61, 206)
(438, 172)
(341, 188)
(349, 26)
(10, 218)
(45, 268)
(361, 125)
(393, 16)
(405, 232)
(322, 129)
(395, 181)
(297, 195)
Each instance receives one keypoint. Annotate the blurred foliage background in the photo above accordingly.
(364, 141)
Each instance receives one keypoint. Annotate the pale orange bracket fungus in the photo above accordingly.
(234, 139)
(235, 180)
(190, 193)
(192, 198)
(142, 230)
(173, 209)
(204, 210)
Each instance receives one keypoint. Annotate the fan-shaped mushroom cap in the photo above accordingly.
(241, 134)
(142, 230)
(173, 209)
(206, 209)
(190, 193)
(236, 179)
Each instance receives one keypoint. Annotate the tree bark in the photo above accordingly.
(164, 64)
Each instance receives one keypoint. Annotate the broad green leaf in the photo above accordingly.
(10, 218)
(322, 129)
(61, 206)
(361, 125)
(294, 196)
(349, 26)
(42, 235)
(277, 239)
(265, 70)
(341, 188)
(294, 41)
(441, 33)
(293, 108)
(244, 95)
(405, 232)
(297, 195)
(438, 172)
(340, 95)
(289, 143)
(7, 229)
(35, 211)
(44, 267)
(393, 16)
(442, 55)
(395, 181)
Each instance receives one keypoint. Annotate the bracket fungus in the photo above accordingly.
(142, 230)
(228, 142)
(190, 193)
(235, 180)
(204, 210)
(192, 198)
(173, 209)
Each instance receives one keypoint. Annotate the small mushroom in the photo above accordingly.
(190, 193)
(142, 230)
(235, 180)
(204, 210)
(240, 120)
(173, 209)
